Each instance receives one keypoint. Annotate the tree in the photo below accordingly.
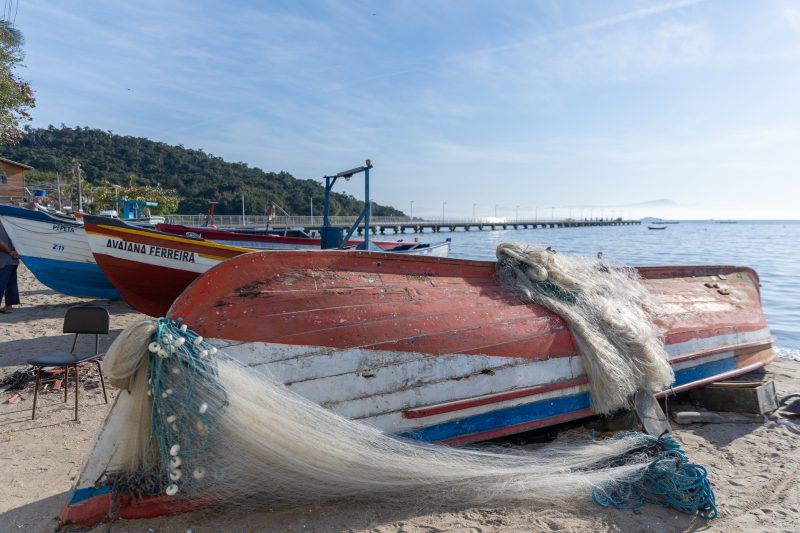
(195, 176)
(104, 193)
(16, 96)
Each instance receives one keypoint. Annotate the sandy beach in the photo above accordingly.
(753, 466)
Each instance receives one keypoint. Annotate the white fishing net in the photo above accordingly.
(212, 429)
(259, 442)
(607, 310)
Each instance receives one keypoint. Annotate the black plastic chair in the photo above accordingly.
(82, 319)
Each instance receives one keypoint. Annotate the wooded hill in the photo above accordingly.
(195, 175)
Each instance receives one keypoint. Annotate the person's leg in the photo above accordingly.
(5, 277)
(12, 289)
(8, 287)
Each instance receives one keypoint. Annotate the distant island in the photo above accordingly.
(196, 176)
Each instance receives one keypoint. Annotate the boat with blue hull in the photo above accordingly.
(56, 251)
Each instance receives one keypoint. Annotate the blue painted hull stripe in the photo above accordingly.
(72, 278)
(79, 495)
(706, 370)
(533, 411)
(30, 214)
(503, 417)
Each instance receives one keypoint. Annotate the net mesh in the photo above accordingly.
(608, 311)
(212, 429)
(227, 430)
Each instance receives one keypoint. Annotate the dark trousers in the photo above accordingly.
(8, 284)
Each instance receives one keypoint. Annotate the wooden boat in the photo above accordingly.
(150, 268)
(56, 251)
(657, 226)
(131, 257)
(437, 349)
(276, 241)
(209, 231)
(429, 348)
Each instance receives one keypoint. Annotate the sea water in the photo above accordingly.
(771, 248)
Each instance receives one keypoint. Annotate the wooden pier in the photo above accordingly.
(397, 225)
(439, 226)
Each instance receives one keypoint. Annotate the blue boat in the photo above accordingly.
(55, 249)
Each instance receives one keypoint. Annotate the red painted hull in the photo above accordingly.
(430, 305)
(150, 289)
(216, 234)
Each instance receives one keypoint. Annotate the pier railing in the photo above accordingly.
(395, 224)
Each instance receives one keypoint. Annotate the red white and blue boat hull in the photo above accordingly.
(437, 350)
(431, 349)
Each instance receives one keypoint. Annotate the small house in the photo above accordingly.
(12, 180)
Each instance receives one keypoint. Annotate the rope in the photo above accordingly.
(788, 397)
(670, 481)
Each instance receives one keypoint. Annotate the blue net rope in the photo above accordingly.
(187, 400)
(669, 480)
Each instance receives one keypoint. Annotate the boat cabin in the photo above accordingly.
(134, 209)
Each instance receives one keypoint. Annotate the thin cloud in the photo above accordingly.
(607, 22)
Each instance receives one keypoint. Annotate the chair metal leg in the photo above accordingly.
(77, 382)
(36, 392)
(66, 382)
(102, 382)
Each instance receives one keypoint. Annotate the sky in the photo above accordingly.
(488, 107)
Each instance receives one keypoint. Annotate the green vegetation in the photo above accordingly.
(197, 177)
(167, 199)
(16, 96)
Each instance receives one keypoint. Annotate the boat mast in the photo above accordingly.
(80, 194)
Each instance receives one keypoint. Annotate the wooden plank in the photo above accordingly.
(737, 397)
(650, 414)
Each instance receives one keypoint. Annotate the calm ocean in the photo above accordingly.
(771, 248)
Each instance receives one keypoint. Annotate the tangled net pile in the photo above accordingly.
(207, 428)
(606, 310)
(211, 429)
